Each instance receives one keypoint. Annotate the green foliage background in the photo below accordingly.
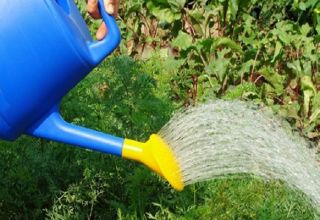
(174, 53)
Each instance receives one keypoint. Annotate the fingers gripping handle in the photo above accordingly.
(101, 49)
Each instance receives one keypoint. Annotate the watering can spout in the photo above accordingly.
(155, 153)
(54, 127)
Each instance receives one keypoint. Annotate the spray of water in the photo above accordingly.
(223, 137)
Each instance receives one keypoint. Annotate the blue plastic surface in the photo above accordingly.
(53, 127)
(45, 50)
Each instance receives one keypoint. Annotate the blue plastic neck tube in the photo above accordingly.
(53, 127)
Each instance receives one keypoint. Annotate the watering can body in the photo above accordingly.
(45, 50)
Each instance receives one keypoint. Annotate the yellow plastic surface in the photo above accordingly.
(158, 156)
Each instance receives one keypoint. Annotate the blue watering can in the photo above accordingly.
(45, 50)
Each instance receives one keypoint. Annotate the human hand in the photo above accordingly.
(111, 6)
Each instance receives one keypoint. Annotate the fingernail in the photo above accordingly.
(99, 35)
(110, 8)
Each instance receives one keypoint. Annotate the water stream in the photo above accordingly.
(224, 137)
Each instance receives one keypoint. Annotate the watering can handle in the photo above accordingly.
(101, 49)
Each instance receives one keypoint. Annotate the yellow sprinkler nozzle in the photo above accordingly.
(157, 155)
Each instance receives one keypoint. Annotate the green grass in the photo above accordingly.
(252, 198)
